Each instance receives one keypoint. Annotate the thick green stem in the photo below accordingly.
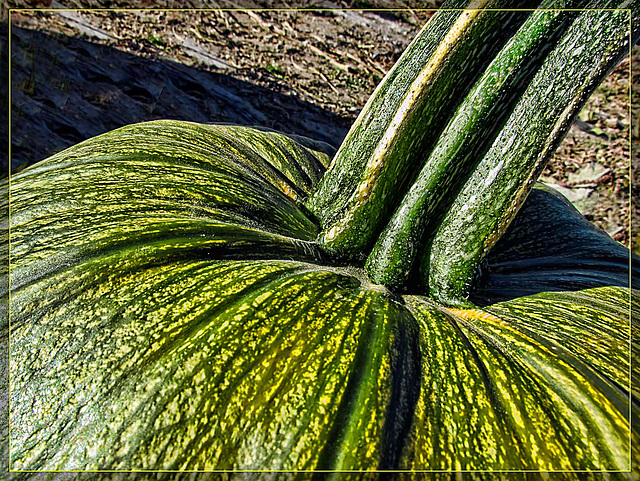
(468, 135)
(391, 138)
(490, 199)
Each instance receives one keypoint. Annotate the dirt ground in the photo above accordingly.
(306, 72)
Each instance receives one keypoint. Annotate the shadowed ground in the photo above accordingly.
(67, 90)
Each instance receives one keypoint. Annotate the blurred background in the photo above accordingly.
(76, 74)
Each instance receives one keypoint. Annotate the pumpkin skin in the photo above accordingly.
(170, 310)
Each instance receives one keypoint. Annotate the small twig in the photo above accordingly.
(324, 77)
(332, 61)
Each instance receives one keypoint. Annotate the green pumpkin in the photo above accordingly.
(172, 308)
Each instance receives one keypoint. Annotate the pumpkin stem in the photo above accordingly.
(476, 123)
(388, 143)
(490, 199)
(438, 162)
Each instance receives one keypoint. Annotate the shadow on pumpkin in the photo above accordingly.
(550, 246)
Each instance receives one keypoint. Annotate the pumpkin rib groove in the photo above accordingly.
(294, 153)
(63, 295)
(353, 284)
(288, 248)
(266, 170)
(195, 212)
(323, 380)
(406, 378)
(592, 372)
(525, 383)
(451, 369)
(599, 422)
(505, 423)
(286, 277)
(241, 299)
(600, 332)
(322, 376)
(299, 174)
(103, 390)
(196, 236)
(313, 169)
(184, 295)
(330, 453)
(225, 168)
(238, 155)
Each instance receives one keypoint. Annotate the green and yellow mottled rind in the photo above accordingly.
(185, 189)
(499, 394)
(198, 365)
(283, 365)
(489, 200)
(238, 346)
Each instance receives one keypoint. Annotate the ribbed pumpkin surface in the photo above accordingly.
(170, 309)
